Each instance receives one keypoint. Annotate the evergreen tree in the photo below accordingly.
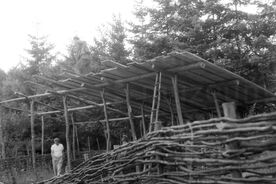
(219, 32)
(112, 43)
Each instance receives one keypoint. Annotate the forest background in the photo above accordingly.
(218, 31)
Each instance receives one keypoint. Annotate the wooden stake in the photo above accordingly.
(88, 142)
(171, 110)
(108, 143)
(155, 102)
(32, 132)
(143, 120)
(64, 98)
(98, 144)
(177, 99)
(2, 141)
(73, 137)
(42, 135)
(216, 103)
(229, 110)
(159, 98)
(77, 139)
(130, 115)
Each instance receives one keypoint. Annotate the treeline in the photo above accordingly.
(217, 31)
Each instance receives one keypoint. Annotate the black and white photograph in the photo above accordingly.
(138, 92)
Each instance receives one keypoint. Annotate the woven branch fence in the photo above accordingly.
(197, 153)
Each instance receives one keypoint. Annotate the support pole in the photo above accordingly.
(77, 139)
(155, 101)
(130, 115)
(216, 103)
(143, 120)
(42, 135)
(88, 142)
(108, 144)
(64, 99)
(177, 99)
(2, 141)
(73, 137)
(32, 132)
(229, 110)
(98, 144)
(171, 110)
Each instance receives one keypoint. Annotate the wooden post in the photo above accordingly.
(2, 141)
(64, 98)
(77, 138)
(108, 144)
(88, 142)
(73, 137)
(229, 110)
(155, 102)
(177, 99)
(143, 120)
(42, 135)
(129, 110)
(98, 144)
(32, 132)
(216, 103)
(171, 110)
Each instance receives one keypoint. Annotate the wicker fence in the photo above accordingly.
(221, 151)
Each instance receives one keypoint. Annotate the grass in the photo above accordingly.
(26, 177)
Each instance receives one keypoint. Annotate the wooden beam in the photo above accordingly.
(42, 135)
(64, 100)
(61, 92)
(2, 141)
(36, 101)
(73, 137)
(216, 103)
(109, 120)
(264, 100)
(111, 63)
(177, 100)
(108, 143)
(77, 139)
(153, 108)
(101, 85)
(171, 110)
(88, 142)
(130, 115)
(14, 108)
(143, 120)
(32, 133)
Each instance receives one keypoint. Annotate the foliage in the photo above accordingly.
(222, 33)
(111, 44)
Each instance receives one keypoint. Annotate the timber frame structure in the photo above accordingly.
(176, 88)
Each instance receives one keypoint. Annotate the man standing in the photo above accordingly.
(57, 154)
(81, 55)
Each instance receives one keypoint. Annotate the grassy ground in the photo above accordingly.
(26, 177)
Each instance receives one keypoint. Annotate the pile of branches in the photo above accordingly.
(221, 151)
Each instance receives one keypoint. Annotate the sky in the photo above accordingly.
(60, 20)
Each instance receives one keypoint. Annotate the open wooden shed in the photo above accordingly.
(175, 88)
